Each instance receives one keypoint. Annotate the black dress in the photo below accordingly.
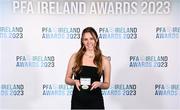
(86, 99)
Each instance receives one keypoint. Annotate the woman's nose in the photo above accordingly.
(88, 41)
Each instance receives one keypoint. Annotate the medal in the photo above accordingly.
(85, 86)
(85, 82)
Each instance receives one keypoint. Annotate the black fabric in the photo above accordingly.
(86, 99)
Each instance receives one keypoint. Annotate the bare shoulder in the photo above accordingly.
(106, 60)
(72, 58)
(73, 55)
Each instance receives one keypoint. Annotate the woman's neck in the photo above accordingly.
(90, 54)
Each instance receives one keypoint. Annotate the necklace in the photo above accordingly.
(90, 56)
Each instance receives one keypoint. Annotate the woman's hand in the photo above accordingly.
(77, 83)
(96, 84)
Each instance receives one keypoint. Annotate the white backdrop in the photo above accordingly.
(37, 38)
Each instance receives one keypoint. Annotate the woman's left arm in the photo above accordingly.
(107, 74)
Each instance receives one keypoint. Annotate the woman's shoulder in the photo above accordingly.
(73, 56)
(106, 58)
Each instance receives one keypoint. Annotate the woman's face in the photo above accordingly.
(88, 41)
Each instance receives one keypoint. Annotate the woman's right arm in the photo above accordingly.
(69, 73)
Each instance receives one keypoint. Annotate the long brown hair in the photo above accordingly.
(98, 54)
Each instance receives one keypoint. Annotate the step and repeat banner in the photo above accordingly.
(141, 37)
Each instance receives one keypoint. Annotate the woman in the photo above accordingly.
(87, 66)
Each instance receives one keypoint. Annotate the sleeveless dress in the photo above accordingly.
(86, 99)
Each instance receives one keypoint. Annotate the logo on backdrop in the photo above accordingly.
(61, 33)
(167, 32)
(121, 90)
(148, 61)
(118, 32)
(167, 89)
(56, 89)
(11, 89)
(15, 32)
(105, 7)
(35, 61)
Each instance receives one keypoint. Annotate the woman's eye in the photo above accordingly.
(85, 39)
(91, 39)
